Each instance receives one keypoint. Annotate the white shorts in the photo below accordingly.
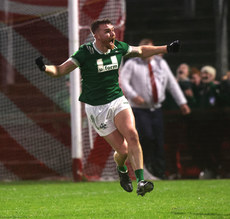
(102, 117)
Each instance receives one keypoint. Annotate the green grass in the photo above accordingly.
(170, 199)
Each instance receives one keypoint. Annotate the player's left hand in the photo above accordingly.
(173, 47)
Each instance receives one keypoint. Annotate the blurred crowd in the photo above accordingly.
(201, 88)
(204, 134)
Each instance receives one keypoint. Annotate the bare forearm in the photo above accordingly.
(147, 51)
(53, 70)
(60, 70)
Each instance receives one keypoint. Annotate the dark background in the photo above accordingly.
(165, 21)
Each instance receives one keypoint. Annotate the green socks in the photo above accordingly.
(139, 175)
(123, 169)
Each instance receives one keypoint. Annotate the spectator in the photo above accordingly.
(206, 140)
(195, 79)
(146, 101)
(225, 90)
(182, 75)
(182, 72)
(209, 95)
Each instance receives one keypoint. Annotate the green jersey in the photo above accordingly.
(99, 72)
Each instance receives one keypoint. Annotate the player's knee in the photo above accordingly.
(132, 137)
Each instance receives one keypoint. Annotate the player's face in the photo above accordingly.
(106, 35)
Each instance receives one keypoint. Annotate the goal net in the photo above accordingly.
(35, 109)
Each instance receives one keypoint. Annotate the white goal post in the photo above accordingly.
(76, 129)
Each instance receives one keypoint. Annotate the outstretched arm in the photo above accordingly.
(146, 51)
(55, 70)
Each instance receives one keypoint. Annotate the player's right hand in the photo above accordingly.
(173, 47)
(39, 62)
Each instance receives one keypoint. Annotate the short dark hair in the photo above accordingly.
(96, 23)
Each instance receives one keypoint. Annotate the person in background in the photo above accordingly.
(209, 93)
(144, 81)
(182, 72)
(195, 78)
(182, 76)
(208, 151)
(225, 90)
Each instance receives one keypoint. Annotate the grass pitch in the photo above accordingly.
(169, 199)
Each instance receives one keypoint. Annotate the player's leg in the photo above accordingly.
(125, 124)
(119, 144)
(104, 114)
(125, 143)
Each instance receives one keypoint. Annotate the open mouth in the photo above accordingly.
(112, 41)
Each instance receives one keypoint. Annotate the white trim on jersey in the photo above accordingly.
(129, 50)
(100, 52)
(74, 61)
